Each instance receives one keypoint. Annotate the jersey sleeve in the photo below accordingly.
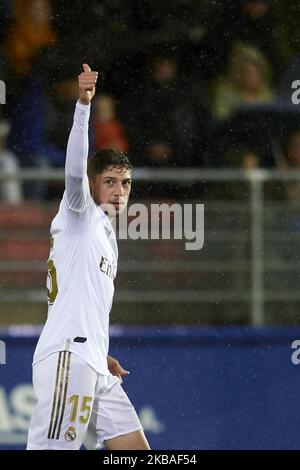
(77, 191)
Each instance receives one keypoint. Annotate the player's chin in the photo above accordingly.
(117, 209)
(120, 209)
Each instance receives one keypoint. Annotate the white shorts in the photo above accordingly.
(76, 405)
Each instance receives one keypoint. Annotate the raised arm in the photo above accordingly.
(77, 187)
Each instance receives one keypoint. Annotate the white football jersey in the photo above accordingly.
(82, 264)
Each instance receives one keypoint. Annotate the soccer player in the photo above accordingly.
(77, 385)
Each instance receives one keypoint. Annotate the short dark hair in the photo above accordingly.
(104, 159)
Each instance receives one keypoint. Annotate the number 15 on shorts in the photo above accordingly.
(85, 408)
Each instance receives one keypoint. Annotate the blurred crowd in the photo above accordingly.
(185, 83)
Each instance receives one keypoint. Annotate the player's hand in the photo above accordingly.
(87, 84)
(115, 368)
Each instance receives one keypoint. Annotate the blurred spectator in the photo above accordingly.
(30, 32)
(29, 138)
(107, 129)
(248, 81)
(250, 21)
(202, 50)
(291, 151)
(172, 119)
(242, 157)
(255, 27)
(250, 160)
(291, 160)
(287, 29)
(10, 189)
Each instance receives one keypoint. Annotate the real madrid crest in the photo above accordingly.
(70, 434)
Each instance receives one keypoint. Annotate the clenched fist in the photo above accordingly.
(115, 368)
(87, 81)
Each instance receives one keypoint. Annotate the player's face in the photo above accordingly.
(112, 186)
